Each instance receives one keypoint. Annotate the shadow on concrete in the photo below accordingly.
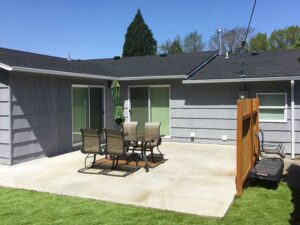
(292, 178)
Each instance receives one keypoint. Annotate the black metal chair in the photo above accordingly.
(267, 150)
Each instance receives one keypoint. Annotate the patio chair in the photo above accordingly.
(116, 147)
(267, 150)
(152, 138)
(130, 131)
(91, 144)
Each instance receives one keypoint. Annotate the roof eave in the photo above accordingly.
(5, 67)
(236, 80)
(60, 73)
(152, 77)
(85, 75)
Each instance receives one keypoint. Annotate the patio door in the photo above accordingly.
(150, 104)
(139, 106)
(87, 109)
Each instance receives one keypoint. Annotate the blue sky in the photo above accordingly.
(96, 29)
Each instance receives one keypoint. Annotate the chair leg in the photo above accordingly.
(117, 162)
(159, 151)
(87, 156)
(152, 156)
(94, 161)
(113, 162)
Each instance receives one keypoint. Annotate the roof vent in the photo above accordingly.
(254, 53)
(298, 59)
(117, 57)
(226, 55)
(163, 55)
(69, 56)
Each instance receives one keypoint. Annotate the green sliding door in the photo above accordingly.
(160, 110)
(139, 106)
(80, 112)
(150, 104)
(87, 110)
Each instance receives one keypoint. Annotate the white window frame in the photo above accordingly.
(274, 107)
(149, 103)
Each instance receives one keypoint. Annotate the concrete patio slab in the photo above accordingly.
(197, 179)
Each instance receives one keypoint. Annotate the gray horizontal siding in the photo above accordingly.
(4, 108)
(5, 149)
(41, 117)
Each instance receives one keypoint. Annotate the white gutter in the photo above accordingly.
(85, 75)
(6, 67)
(293, 117)
(209, 81)
(152, 77)
(60, 73)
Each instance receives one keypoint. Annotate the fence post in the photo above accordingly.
(239, 133)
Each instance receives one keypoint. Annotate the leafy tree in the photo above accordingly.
(277, 39)
(172, 47)
(231, 39)
(166, 46)
(259, 42)
(285, 38)
(176, 46)
(193, 42)
(139, 38)
(297, 44)
(292, 36)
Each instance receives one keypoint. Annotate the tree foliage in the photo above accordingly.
(231, 39)
(139, 39)
(172, 47)
(192, 42)
(285, 38)
(259, 42)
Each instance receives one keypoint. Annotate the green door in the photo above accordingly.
(139, 106)
(160, 110)
(80, 112)
(87, 110)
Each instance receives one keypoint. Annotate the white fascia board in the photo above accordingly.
(61, 73)
(161, 77)
(209, 81)
(6, 67)
(91, 76)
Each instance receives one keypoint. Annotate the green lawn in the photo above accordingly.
(257, 206)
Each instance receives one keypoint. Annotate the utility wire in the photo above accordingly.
(244, 42)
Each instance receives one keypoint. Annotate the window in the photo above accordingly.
(272, 107)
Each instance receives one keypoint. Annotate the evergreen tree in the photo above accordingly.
(139, 38)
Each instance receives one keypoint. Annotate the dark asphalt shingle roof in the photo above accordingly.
(278, 63)
(179, 64)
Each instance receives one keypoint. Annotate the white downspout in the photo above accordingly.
(293, 117)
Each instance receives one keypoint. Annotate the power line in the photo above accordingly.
(244, 42)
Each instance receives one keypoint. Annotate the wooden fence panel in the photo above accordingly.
(246, 142)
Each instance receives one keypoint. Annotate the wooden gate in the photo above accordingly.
(246, 142)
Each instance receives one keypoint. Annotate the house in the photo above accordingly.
(45, 100)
